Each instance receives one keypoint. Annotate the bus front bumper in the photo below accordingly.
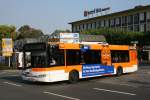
(35, 78)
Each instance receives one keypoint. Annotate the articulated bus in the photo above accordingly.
(52, 62)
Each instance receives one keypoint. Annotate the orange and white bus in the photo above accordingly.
(52, 62)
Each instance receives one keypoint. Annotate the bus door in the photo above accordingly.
(106, 55)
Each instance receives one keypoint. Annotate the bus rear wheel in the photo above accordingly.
(119, 71)
(73, 77)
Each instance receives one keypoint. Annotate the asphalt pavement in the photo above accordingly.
(134, 86)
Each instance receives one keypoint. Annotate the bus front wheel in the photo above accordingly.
(73, 77)
(119, 71)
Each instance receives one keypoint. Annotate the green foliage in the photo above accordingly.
(118, 36)
(7, 31)
(146, 38)
(27, 32)
(58, 31)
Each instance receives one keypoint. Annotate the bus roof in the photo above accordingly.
(92, 46)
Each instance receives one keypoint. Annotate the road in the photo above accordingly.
(135, 86)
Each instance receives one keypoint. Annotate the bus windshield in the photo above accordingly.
(35, 59)
(38, 55)
(55, 56)
(35, 55)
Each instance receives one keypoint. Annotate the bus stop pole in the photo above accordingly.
(9, 60)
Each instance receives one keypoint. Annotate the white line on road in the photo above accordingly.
(61, 96)
(114, 91)
(117, 84)
(12, 84)
(127, 85)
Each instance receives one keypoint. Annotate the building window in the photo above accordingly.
(97, 24)
(141, 16)
(107, 23)
(148, 27)
(148, 15)
(142, 27)
(112, 22)
(136, 28)
(80, 27)
(130, 19)
(136, 19)
(124, 20)
(93, 25)
(83, 26)
(102, 23)
(74, 28)
(117, 21)
(89, 26)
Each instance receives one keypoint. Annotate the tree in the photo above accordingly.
(27, 32)
(7, 31)
(118, 36)
(24, 29)
(146, 38)
(57, 31)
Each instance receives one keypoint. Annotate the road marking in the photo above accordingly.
(12, 84)
(71, 98)
(127, 85)
(117, 84)
(114, 91)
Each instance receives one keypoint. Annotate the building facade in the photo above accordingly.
(135, 19)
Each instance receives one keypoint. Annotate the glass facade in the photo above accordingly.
(142, 27)
(142, 17)
(148, 15)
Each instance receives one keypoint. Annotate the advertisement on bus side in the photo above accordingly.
(89, 70)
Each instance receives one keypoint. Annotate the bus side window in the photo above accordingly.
(73, 57)
(92, 57)
(56, 56)
(120, 56)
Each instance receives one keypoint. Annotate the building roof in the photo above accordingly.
(136, 8)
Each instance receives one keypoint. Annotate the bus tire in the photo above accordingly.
(119, 71)
(73, 77)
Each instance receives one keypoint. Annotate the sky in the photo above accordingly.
(49, 15)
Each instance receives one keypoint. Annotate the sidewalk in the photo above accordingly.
(140, 78)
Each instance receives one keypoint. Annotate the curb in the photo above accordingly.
(10, 70)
